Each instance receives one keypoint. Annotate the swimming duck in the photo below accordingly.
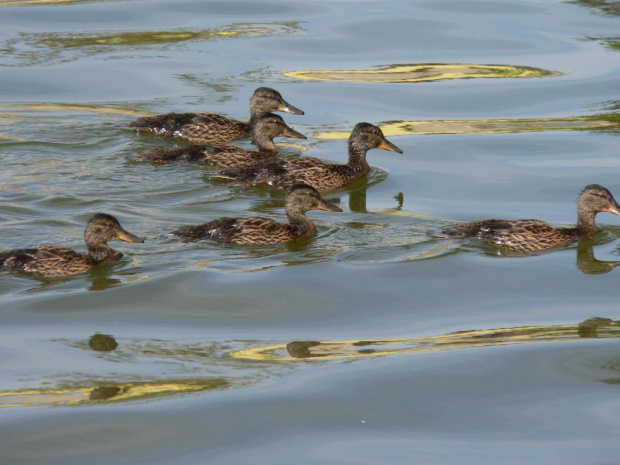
(312, 171)
(209, 128)
(524, 236)
(266, 127)
(258, 230)
(62, 261)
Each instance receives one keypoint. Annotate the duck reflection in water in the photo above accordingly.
(587, 262)
(102, 342)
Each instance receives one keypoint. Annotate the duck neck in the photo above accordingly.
(586, 225)
(301, 224)
(253, 117)
(100, 253)
(264, 143)
(357, 158)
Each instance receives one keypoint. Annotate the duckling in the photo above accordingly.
(523, 236)
(258, 230)
(210, 128)
(322, 176)
(62, 261)
(266, 127)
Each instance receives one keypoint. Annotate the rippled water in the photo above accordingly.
(339, 349)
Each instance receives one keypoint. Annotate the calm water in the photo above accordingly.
(167, 384)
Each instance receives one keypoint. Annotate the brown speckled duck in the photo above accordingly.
(62, 261)
(211, 128)
(258, 230)
(523, 236)
(266, 127)
(312, 171)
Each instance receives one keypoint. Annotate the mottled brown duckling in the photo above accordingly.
(52, 260)
(210, 128)
(322, 176)
(524, 236)
(258, 230)
(266, 127)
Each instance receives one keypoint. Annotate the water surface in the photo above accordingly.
(160, 383)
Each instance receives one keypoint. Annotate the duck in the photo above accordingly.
(211, 128)
(525, 236)
(256, 230)
(265, 128)
(281, 173)
(53, 260)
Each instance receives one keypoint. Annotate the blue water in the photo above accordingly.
(73, 72)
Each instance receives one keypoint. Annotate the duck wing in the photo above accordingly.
(209, 128)
(280, 172)
(45, 260)
(250, 230)
(205, 128)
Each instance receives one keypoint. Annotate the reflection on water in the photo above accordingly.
(102, 342)
(421, 72)
(44, 107)
(36, 48)
(41, 2)
(230, 369)
(612, 43)
(96, 394)
(602, 122)
(587, 262)
(606, 7)
(593, 328)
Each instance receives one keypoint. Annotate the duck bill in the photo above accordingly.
(290, 132)
(288, 108)
(328, 206)
(128, 237)
(615, 209)
(387, 145)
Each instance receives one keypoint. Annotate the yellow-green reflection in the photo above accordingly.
(139, 38)
(38, 2)
(609, 121)
(145, 38)
(106, 393)
(62, 107)
(420, 72)
(596, 327)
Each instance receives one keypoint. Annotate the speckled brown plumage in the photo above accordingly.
(62, 261)
(258, 230)
(314, 172)
(523, 236)
(266, 127)
(211, 128)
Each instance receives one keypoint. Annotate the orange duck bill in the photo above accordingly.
(327, 206)
(128, 237)
(387, 145)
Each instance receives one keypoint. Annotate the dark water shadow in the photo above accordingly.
(603, 7)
